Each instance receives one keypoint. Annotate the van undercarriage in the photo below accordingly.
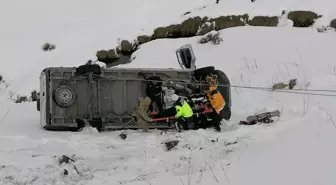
(106, 98)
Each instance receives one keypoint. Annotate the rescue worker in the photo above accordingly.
(154, 91)
(140, 114)
(197, 100)
(217, 103)
(184, 113)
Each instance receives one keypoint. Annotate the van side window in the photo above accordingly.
(186, 58)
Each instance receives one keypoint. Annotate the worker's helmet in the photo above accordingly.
(212, 79)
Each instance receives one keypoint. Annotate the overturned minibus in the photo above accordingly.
(71, 97)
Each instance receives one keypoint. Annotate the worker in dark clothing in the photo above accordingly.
(154, 91)
(196, 101)
(184, 113)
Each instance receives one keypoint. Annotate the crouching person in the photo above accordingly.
(184, 113)
(140, 114)
(217, 104)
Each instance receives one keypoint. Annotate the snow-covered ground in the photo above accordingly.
(298, 148)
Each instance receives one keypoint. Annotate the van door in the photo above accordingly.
(186, 57)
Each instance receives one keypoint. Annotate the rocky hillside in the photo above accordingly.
(197, 26)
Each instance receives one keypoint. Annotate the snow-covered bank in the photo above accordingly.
(304, 154)
(250, 56)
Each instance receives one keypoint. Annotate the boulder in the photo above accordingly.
(102, 55)
(171, 31)
(143, 39)
(112, 54)
(303, 18)
(264, 21)
(190, 26)
(118, 49)
(126, 46)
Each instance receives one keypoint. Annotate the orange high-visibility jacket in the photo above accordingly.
(216, 99)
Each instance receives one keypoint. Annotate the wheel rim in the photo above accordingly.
(65, 96)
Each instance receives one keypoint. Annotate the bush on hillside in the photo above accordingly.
(21, 99)
(212, 36)
(205, 28)
(223, 22)
(264, 21)
(34, 95)
(48, 47)
(303, 18)
(333, 23)
(1, 78)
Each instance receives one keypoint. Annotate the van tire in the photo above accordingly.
(85, 69)
(63, 90)
(202, 72)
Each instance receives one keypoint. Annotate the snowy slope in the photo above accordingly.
(291, 146)
(296, 149)
(255, 57)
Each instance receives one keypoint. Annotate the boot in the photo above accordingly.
(177, 127)
(217, 127)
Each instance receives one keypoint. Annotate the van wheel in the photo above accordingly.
(202, 72)
(85, 69)
(64, 96)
